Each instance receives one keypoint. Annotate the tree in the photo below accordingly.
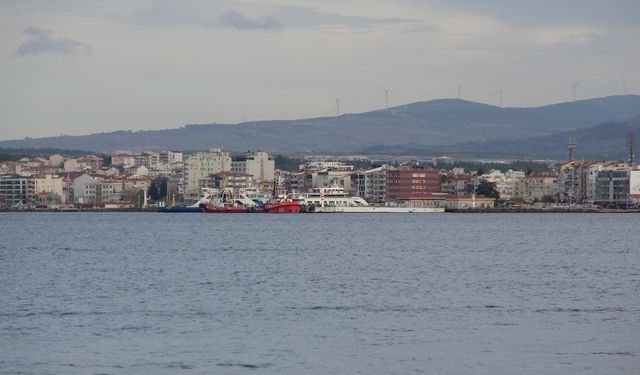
(548, 199)
(488, 189)
(158, 188)
(153, 192)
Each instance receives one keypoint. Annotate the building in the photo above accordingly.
(92, 161)
(505, 182)
(634, 186)
(535, 187)
(49, 187)
(71, 165)
(199, 167)
(411, 183)
(461, 202)
(170, 157)
(16, 191)
(326, 165)
(571, 184)
(232, 180)
(457, 183)
(613, 187)
(371, 184)
(122, 158)
(590, 173)
(259, 165)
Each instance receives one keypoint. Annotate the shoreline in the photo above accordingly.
(502, 210)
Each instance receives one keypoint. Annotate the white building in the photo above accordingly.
(257, 164)
(590, 172)
(634, 186)
(505, 182)
(199, 167)
(49, 185)
(71, 165)
(372, 184)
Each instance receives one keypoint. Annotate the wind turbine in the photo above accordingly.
(459, 90)
(337, 105)
(624, 84)
(386, 96)
(499, 92)
(574, 91)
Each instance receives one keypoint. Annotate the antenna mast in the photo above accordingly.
(631, 140)
(571, 146)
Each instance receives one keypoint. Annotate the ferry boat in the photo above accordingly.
(335, 199)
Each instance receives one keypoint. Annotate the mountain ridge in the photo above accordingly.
(435, 123)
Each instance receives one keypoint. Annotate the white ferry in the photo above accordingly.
(335, 199)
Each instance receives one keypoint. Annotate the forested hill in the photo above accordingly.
(432, 124)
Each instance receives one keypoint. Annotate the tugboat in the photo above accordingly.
(287, 205)
(282, 203)
(207, 196)
(225, 203)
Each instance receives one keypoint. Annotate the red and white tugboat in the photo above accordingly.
(225, 203)
(288, 205)
(283, 203)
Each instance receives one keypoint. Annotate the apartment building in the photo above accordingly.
(200, 166)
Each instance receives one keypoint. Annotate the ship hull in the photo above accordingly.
(382, 209)
(223, 210)
(283, 208)
(178, 209)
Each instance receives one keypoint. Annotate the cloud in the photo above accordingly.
(254, 17)
(587, 35)
(237, 20)
(34, 31)
(41, 41)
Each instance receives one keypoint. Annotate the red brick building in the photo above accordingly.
(410, 183)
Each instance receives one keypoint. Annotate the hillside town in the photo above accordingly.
(143, 179)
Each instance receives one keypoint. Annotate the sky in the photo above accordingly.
(83, 66)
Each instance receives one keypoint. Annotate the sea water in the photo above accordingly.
(146, 293)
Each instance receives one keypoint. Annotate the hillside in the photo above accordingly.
(430, 124)
(607, 140)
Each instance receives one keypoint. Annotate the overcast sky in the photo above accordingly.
(78, 66)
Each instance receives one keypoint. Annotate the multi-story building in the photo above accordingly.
(16, 191)
(590, 173)
(326, 165)
(634, 186)
(371, 184)
(456, 183)
(71, 165)
(200, 166)
(409, 183)
(505, 182)
(56, 160)
(49, 187)
(122, 158)
(92, 161)
(571, 182)
(232, 180)
(535, 187)
(613, 187)
(325, 179)
(170, 157)
(259, 165)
